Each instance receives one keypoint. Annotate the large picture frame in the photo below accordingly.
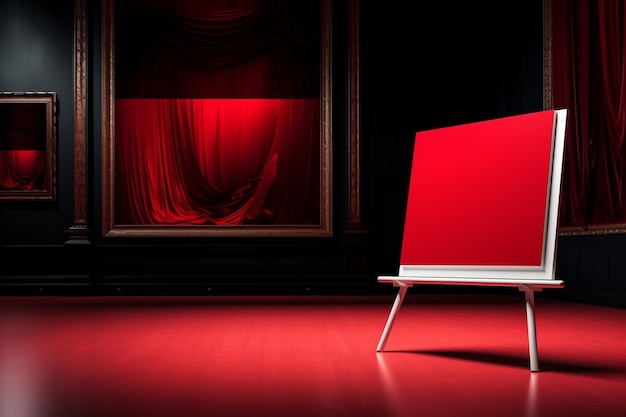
(115, 221)
(28, 129)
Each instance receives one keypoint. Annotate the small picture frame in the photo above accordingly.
(28, 146)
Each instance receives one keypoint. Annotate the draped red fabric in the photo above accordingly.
(589, 79)
(22, 170)
(214, 161)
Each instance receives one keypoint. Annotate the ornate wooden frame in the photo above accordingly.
(110, 228)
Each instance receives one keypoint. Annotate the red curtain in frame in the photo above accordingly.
(22, 170)
(589, 79)
(237, 140)
(180, 161)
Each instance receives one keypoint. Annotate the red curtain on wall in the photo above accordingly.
(180, 161)
(217, 112)
(22, 170)
(589, 79)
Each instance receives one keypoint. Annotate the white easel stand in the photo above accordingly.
(528, 286)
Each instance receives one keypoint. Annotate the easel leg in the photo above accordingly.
(532, 333)
(391, 318)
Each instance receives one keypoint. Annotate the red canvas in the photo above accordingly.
(479, 193)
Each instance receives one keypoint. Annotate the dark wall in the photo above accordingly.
(421, 66)
(36, 46)
(594, 269)
(430, 66)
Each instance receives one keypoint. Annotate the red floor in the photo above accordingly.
(447, 355)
